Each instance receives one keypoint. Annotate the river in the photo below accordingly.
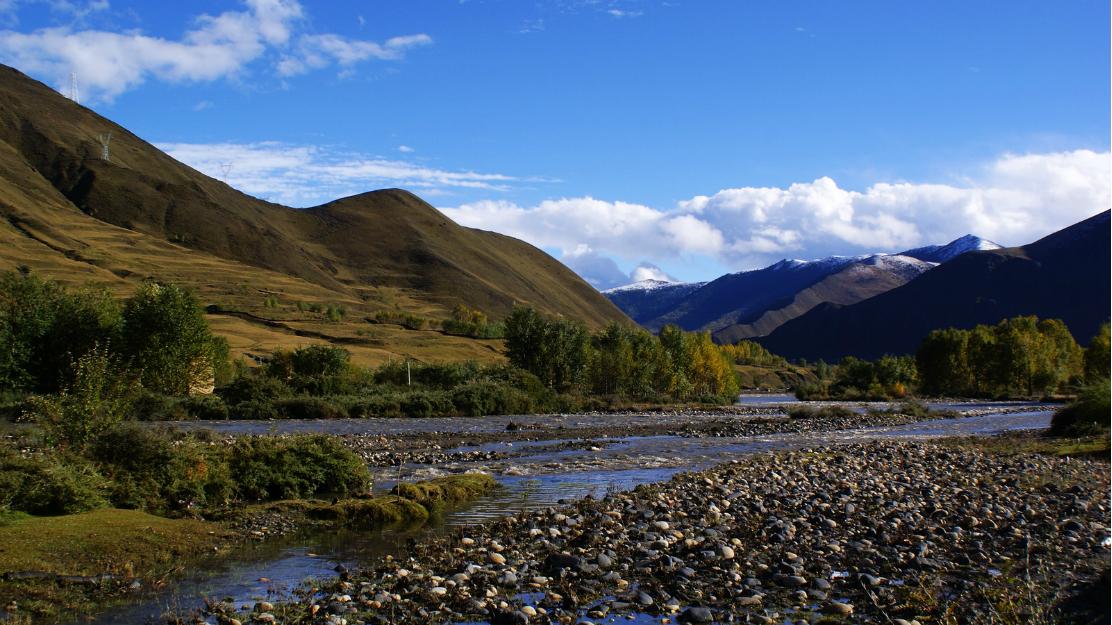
(535, 474)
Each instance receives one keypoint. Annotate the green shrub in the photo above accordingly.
(49, 485)
(99, 399)
(426, 404)
(490, 398)
(267, 468)
(208, 407)
(254, 410)
(309, 408)
(1089, 414)
(258, 388)
(162, 471)
(149, 406)
(383, 405)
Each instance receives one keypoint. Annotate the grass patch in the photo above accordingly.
(122, 543)
(1094, 446)
(448, 490)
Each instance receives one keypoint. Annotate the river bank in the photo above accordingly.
(860, 532)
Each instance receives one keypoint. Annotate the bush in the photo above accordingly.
(267, 468)
(100, 398)
(1087, 415)
(309, 408)
(426, 404)
(257, 388)
(160, 471)
(150, 406)
(208, 407)
(254, 410)
(49, 485)
(385, 405)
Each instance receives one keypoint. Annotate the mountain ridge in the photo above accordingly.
(1063, 275)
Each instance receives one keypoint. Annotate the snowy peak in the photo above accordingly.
(652, 285)
(953, 249)
(907, 267)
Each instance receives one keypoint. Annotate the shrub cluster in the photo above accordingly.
(174, 473)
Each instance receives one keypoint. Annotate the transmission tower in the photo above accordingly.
(104, 139)
(225, 169)
(73, 95)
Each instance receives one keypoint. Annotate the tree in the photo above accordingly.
(99, 398)
(165, 337)
(44, 328)
(1096, 360)
(556, 350)
(942, 361)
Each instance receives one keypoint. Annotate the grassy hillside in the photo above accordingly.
(273, 270)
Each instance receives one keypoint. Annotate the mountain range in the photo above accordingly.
(68, 213)
(754, 303)
(867, 306)
(1064, 275)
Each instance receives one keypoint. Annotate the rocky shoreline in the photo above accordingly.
(888, 531)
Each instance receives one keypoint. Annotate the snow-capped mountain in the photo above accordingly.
(953, 249)
(752, 303)
(648, 299)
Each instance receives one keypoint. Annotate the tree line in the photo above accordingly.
(1019, 357)
(619, 360)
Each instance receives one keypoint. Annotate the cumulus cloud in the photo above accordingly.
(599, 271)
(649, 271)
(1015, 199)
(213, 47)
(301, 175)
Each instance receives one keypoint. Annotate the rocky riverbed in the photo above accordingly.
(876, 532)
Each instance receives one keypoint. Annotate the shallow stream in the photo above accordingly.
(533, 474)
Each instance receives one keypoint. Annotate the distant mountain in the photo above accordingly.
(753, 303)
(1065, 275)
(953, 249)
(850, 284)
(648, 299)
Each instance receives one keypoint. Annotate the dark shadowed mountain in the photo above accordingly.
(953, 249)
(648, 299)
(1064, 275)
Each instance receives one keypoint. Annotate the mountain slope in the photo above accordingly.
(743, 297)
(353, 247)
(853, 283)
(1064, 275)
(953, 249)
(648, 299)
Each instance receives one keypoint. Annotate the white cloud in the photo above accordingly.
(649, 271)
(300, 175)
(215, 47)
(405, 149)
(1013, 200)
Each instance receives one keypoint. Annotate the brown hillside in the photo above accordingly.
(383, 238)
(72, 216)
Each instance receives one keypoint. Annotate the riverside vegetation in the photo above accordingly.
(90, 499)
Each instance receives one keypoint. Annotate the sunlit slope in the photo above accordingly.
(385, 238)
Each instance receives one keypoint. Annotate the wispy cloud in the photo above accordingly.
(1013, 200)
(303, 175)
(214, 47)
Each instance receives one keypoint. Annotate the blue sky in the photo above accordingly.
(685, 138)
